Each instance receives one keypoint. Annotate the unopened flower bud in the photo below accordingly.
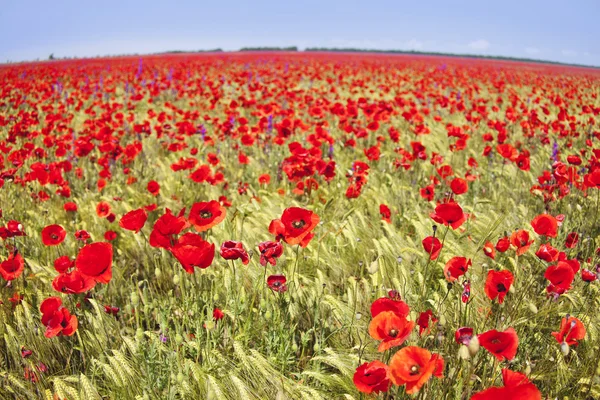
(473, 346)
(463, 352)
(564, 348)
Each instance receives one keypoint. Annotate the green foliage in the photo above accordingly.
(306, 343)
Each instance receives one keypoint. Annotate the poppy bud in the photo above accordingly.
(295, 347)
(139, 334)
(463, 352)
(511, 289)
(564, 348)
(180, 378)
(316, 347)
(374, 267)
(473, 346)
(178, 339)
(176, 280)
(209, 325)
(533, 308)
(135, 300)
(528, 369)
(157, 272)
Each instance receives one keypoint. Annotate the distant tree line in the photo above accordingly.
(435, 53)
(290, 48)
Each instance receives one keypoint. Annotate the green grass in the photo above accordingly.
(305, 343)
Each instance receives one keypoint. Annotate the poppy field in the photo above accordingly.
(277, 225)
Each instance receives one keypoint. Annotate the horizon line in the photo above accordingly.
(295, 49)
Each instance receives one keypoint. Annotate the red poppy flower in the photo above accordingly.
(12, 267)
(372, 377)
(201, 174)
(427, 192)
(62, 264)
(456, 267)
(432, 246)
(547, 253)
(560, 276)
(503, 244)
(390, 328)
(111, 310)
(489, 250)
(502, 345)
(572, 239)
(269, 252)
(571, 331)
(385, 213)
(53, 235)
(414, 366)
(25, 352)
(218, 314)
(466, 294)
(588, 276)
(231, 250)
(57, 319)
(295, 226)
(204, 215)
(520, 240)
(463, 335)
(277, 283)
(153, 187)
(459, 186)
(394, 305)
(193, 251)
(498, 284)
(73, 282)
(264, 179)
(516, 386)
(423, 321)
(449, 214)
(166, 228)
(95, 260)
(546, 225)
(70, 207)
(103, 209)
(134, 220)
(82, 235)
(13, 228)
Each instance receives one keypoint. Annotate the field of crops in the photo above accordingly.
(299, 226)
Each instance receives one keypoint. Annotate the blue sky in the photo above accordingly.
(563, 30)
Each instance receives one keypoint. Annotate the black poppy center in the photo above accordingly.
(500, 287)
(414, 370)
(206, 214)
(393, 333)
(298, 224)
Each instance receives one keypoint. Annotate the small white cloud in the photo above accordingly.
(569, 53)
(532, 50)
(480, 44)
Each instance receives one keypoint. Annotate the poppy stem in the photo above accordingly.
(425, 276)
(235, 293)
(294, 270)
